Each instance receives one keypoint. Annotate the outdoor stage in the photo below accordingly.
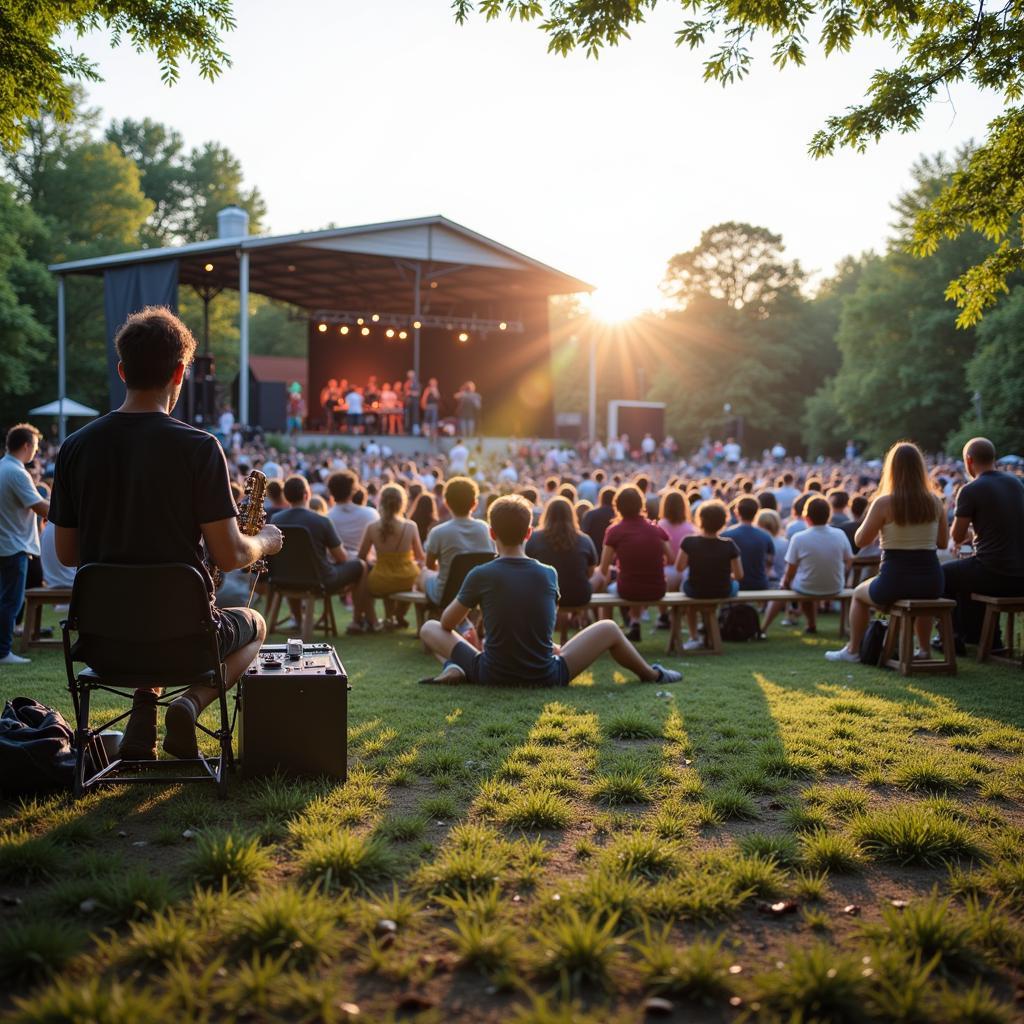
(407, 444)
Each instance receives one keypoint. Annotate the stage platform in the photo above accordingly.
(403, 444)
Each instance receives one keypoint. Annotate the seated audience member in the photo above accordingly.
(756, 548)
(989, 509)
(674, 519)
(518, 598)
(350, 518)
(911, 519)
(816, 562)
(768, 520)
(797, 523)
(571, 554)
(767, 499)
(318, 505)
(858, 509)
(639, 549)
(581, 508)
(462, 534)
(840, 502)
(274, 499)
(714, 563)
(336, 570)
(599, 518)
(395, 541)
(786, 493)
(424, 514)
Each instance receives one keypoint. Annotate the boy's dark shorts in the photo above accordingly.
(467, 657)
(236, 627)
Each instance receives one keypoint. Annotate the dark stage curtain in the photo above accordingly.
(126, 290)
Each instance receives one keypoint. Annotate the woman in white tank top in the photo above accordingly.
(911, 520)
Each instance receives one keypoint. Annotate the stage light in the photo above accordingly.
(360, 321)
(321, 328)
(343, 329)
(375, 317)
(503, 326)
(291, 268)
(208, 267)
(365, 331)
(463, 336)
(433, 284)
(390, 332)
(416, 325)
(403, 335)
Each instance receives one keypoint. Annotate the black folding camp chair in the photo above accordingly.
(142, 626)
(295, 574)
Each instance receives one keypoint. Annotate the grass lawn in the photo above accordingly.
(774, 838)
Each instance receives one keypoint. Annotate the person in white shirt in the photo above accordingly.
(817, 561)
(350, 520)
(227, 423)
(508, 474)
(648, 445)
(778, 452)
(458, 458)
(731, 451)
(354, 402)
(55, 572)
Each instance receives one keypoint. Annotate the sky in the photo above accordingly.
(359, 111)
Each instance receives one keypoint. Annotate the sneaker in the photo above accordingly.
(788, 622)
(693, 645)
(845, 654)
(666, 675)
(663, 622)
(180, 726)
(450, 675)
(633, 633)
(14, 659)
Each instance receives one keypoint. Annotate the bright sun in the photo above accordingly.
(614, 305)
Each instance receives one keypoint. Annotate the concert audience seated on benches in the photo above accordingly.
(816, 562)
(639, 550)
(714, 563)
(172, 487)
(911, 520)
(518, 597)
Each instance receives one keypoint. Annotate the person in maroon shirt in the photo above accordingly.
(640, 550)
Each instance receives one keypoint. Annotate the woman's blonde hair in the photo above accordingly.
(905, 480)
(390, 505)
(768, 520)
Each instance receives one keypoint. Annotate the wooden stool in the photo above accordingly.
(708, 611)
(902, 616)
(307, 599)
(35, 598)
(994, 607)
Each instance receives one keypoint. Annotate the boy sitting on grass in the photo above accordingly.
(519, 600)
(817, 561)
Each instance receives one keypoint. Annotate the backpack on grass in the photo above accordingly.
(739, 623)
(36, 754)
(873, 641)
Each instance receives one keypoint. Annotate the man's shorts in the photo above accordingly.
(468, 658)
(344, 575)
(236, 627)
(431, 589)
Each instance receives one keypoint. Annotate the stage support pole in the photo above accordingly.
(592, 388)
(416, 328)
(243, 338)
(61, 359)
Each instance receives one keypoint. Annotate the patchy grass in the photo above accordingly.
(553, 856)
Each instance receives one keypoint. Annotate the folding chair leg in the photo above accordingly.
(82, 741)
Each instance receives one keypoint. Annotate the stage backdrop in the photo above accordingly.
(512, 372)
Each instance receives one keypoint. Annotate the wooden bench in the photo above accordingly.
(902, 615)
(994, 607)
(307, 600)
(35, 598)
(862, 567)
(675, 603)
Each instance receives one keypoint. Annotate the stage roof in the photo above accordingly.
(367, 267)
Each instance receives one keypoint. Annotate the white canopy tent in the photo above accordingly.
(64, 407)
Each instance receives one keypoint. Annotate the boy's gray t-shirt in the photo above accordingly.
(819, 553)
(456, 537)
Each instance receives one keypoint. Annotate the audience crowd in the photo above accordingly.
(637, 521)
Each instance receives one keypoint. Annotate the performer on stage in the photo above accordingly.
(412, 402)
(139, 487)
(431, 405)
(468, 403)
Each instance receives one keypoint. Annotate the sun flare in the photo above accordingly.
(615, 305)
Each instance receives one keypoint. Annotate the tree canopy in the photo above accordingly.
(935, 44)
(37, 72)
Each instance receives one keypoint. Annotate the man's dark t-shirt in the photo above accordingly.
(573, 566)
(518, 598)
(850, 529)
(321, 529)
(137, 486)
(755, 546)
(595, 523)
(994, 503)
(710, 563)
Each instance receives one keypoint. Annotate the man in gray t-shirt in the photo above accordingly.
(462, 534)
(20, 504)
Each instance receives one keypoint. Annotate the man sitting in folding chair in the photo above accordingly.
(138, 487)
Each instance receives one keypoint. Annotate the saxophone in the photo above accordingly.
(251, 519)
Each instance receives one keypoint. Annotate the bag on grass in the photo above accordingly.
(36, 752)
(739, 623)
(873, 641)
